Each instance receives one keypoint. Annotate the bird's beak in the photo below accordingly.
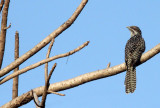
(128, 27)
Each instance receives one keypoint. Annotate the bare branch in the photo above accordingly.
(44, 96)
(35, 98)
(44, 42)
(82, 79)
(60, 94)
(41, 63)
(50, 74)
(47, 56)
(47, 78)
(15, 80)
(3, 30)
(1, 5)
(21, 100)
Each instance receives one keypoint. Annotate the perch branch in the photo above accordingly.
(41, 63)
(44, 42)
(67, 84)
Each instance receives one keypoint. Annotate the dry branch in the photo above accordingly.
(47, 56)
(41, 63)
(44, 96)
(67, 84)
(44, 42)
(15, 80)
(35, 98)
(60, 94)
(47, 78)
(3, 30)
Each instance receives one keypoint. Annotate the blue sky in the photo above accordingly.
(103, 23)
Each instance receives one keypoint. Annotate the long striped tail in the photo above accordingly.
(130, 80)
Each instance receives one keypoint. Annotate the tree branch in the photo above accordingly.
(41, 63)
(47, 56)
(47, 78)
(15, 80)
(44, 96)
(60, 94)
(44, 42)
(3, 30)
(67, 84)
(35, 98)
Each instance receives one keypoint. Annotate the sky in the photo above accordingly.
(103, 23)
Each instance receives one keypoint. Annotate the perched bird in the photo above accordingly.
(133, 50)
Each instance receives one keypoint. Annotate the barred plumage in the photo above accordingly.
(133, 51)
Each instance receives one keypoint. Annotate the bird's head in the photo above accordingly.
(134, 30)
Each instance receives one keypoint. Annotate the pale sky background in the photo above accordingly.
(103, 23)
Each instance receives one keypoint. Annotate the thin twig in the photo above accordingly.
(44, 96)
(60, 94)
(50, 74)
(35, 98)
(42, 62)
(44, 42)
(15, 80)
(47, 56)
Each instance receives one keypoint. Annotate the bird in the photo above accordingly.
(134, 48)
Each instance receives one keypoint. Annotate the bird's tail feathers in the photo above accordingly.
(130, 80)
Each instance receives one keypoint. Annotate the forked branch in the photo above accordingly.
(47, 84)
